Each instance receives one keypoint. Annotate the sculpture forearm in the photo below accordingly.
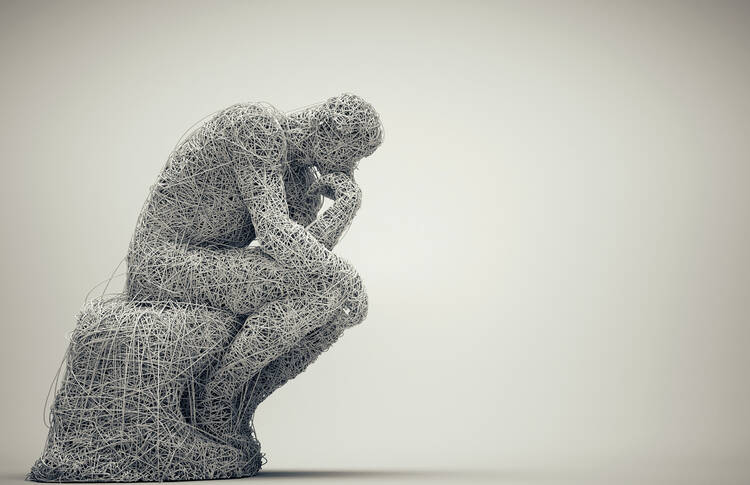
(331, 225)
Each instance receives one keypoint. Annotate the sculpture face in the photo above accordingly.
(348, 129)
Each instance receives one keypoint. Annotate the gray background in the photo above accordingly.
(554, 234)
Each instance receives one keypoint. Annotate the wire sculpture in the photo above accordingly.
(162, 382)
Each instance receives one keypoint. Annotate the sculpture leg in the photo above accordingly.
(288, 366)
(283, 369)
(273, 331)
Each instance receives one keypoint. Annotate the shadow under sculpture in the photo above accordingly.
(161, 382)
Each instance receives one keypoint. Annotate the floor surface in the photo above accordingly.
(688, 475)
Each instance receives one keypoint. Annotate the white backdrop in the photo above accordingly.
(554, 234)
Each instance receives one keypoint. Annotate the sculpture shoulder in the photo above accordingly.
(253, 132)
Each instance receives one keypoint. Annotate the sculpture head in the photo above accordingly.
(347, 129)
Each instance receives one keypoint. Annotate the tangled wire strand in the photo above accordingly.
(162, 381)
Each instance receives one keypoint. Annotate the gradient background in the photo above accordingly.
(554, 234)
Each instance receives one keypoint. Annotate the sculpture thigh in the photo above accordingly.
(237, 280)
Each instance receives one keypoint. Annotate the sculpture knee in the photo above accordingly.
(352, 295)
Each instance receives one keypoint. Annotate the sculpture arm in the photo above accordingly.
(329, 227)
(290, 244)
(294, 246)
(258, 145)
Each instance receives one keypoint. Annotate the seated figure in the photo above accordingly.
(163, 381)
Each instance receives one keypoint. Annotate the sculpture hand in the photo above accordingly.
(337, 186)
(347, 197)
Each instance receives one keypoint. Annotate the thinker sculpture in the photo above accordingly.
(162, 382)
